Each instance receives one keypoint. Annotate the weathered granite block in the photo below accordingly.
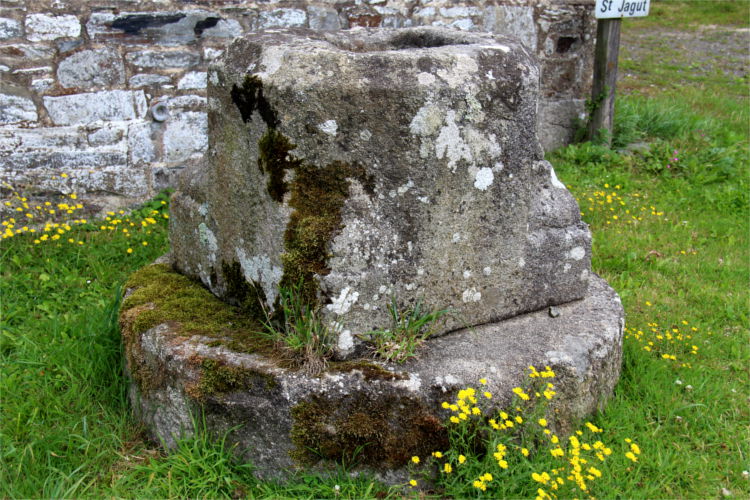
(15, 108)
(9, 28)
(108, 105)
(163, 59)
(40, 27)
(89, 69)
(380, 165)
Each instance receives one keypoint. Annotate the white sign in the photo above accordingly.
(614, 9)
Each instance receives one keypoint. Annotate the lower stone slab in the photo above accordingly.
(384, 412)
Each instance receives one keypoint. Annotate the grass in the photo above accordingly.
(298, 332)
(671, 236)
(410, 328)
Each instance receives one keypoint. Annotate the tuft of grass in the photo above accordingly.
(298, 331)
(410, 328)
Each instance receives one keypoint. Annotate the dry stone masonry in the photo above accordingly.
(372, 167)
(80, 80)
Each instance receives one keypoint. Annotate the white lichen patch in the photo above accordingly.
(344, 302)
(449, 143)
(365, 135)
(487, 271)
(460, 73)
(271, 60)
(412, 385)
(456, 238)
(471, 295)
(345, 341)
(467, 274)
(329, 127)
(258, 269)
(427, 121)
(406, 187)
(208, 241)
(483, 178)
(576, 253)
(425, 78)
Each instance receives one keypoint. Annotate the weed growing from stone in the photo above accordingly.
(298, 331)
(409, 330)
(518, 447)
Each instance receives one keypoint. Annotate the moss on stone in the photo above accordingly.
(177, 298)
(249, 98)
(382, 431)
(217, 378)
(370, 371)
(249, 297)
(274, 160)
(160, 295)
(317, 193)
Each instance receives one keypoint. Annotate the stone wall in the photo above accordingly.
(113, 93)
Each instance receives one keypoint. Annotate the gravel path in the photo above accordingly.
(710, 51)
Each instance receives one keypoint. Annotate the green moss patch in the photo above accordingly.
(161, 295)
(380, 431)
(177, 298)
(219, 378)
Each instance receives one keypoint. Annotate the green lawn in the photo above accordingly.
(671, 226)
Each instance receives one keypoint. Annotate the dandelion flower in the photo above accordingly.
(461, 459)
(542, 422)
(413, 483)
(415, 459)
(447, 468)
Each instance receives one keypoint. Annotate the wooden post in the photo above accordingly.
(605, 78)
